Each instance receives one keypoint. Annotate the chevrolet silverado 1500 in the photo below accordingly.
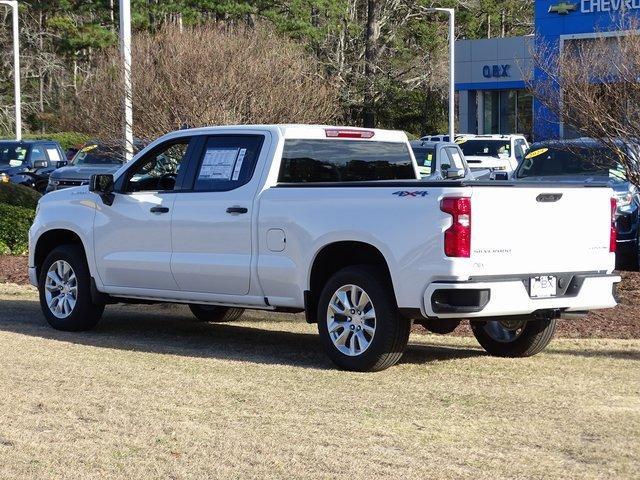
(331, 221)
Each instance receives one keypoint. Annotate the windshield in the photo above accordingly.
(12, 154)
(552, 162)
(98, 155)
(485, 148)
(425, 157)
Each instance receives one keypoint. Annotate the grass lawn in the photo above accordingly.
(152, 394)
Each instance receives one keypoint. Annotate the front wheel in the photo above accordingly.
(358, 320)
(514, 337)
(65, 290)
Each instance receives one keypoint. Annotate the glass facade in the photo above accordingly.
(506, 111)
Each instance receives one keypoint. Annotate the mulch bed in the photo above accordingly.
(620, 322)
(13, 269)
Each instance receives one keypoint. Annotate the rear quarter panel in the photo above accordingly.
(404, 223)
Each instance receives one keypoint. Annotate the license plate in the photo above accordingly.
(543, 287)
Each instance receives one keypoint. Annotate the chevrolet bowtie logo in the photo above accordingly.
(563, 8)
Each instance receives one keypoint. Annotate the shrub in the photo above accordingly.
(203, 76)
(18, 195)
(14, 228)
(65, 139)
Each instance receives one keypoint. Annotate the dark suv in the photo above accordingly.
(588, 160)
(93, 157)
(29, 162)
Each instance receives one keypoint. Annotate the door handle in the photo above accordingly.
(237, 210)
(159, 209)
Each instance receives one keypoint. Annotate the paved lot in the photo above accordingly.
(151, 394)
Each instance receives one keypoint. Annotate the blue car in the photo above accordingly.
(589, 160)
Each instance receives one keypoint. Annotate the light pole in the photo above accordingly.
(16, 66)
(452, 66)
(125, 48)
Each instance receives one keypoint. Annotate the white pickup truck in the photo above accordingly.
(331, 221)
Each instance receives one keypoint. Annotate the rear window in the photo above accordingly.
(305, 161)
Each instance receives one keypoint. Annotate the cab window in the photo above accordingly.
(159, 169)
(227, 162)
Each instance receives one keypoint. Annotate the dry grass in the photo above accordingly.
(151, 394)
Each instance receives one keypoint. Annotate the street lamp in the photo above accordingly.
(125, 47)
(452, 57)
(16, 66)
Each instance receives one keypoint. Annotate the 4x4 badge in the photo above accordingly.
(420, 193)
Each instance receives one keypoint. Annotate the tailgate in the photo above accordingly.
(526, 229)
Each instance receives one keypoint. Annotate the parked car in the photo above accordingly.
(499, 153)
(29, 162)
(443, 161)
(332, 221)
(587, 160)
(93, 157)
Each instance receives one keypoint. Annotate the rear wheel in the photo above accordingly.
(358, 320)
(65, 292)
(514, 337)
(215, 313)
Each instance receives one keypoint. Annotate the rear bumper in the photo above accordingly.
(493, 298)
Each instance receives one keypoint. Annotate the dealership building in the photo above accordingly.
(491, 74)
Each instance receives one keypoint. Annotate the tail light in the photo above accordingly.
(613, 235)
(348, 133)
(457, 238)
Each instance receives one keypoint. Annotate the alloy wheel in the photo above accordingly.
(351, 320)
(61, 289)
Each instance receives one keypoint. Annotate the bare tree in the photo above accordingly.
(203, 76)
(592, 87)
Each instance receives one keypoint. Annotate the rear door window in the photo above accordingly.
(307, 161)
(227, 162)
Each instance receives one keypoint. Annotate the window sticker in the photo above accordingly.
(457, 159)
(238, 167)
(537, 153)
(54, 156)
(428, 160)
(218, 163)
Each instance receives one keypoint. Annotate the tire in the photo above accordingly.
(508, 341)
(215, 314)
(370, 351)
(56, 282)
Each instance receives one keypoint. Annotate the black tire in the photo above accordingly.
(392, 330)
(215, 314)
(534, 337)
(85, 314)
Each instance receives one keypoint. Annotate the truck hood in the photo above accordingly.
(82, 173)
(12, 170)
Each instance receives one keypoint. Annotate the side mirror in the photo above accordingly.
(40, 164)
(102, 184)
(453, 174)
(62, 163)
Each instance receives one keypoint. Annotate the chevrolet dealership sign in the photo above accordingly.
(595, 6)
